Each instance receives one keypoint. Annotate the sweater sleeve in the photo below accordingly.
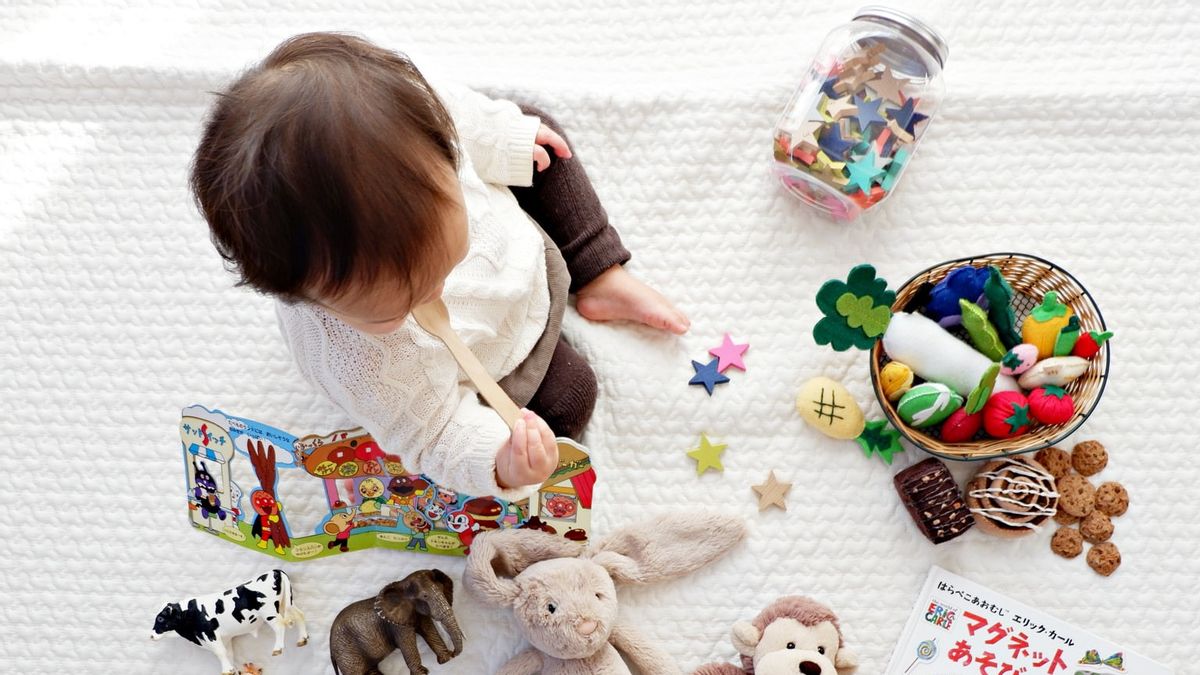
(407, 397)
(495, 134)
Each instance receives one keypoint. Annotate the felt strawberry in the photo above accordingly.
(1051, 405)
(961, 427)
(1006, 415)
(1089, 344)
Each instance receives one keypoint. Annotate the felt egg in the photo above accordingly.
(1006, 415)
(1051, 405)
(1019, 359)
(828, 407)
(1044, 323)
(927, 404)
(1088, 344)
(961, 426)
(1058, 371)
(895, 380)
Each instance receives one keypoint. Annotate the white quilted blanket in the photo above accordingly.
(1069, 131)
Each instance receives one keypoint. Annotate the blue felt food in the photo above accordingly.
(964, 283)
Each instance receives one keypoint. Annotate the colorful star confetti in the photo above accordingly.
(707, 375)
(729, 355)
(858, 134)
(708, 455)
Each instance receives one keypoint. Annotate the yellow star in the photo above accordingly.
(837, 108)
(771, 493)
(888, 86)
(707, 456)
(827, 168)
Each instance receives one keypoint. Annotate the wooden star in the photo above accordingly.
(899, 132)
(708, 455)
(808, 136)
(837, 108)
(771, 492)
(851, 82)
(865, 59)
(888, 86)
(826, 167)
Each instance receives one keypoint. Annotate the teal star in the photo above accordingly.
(880, 437)
(863, 172)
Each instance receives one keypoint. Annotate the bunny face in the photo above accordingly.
(567, 607)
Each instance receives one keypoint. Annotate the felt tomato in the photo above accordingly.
(1089, 344)
(1006, 415)
(961, 427)
(1051, 405)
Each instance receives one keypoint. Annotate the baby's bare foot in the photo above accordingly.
(616, 294)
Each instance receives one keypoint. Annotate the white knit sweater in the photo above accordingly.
(405, 388)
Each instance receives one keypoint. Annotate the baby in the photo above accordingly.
(336, 179)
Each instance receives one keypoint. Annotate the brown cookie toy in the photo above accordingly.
(933, 500)
(1063, 518)
(1056, 460)
(1089, 458)
(1067, 542)
(1112, 499)
(1104, 558)
(1076, 495)
(1096, 528)
(1011, 497)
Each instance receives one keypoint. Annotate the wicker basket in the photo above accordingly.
(1030, 277)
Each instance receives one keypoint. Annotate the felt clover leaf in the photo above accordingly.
(857, 311)
(881, 438)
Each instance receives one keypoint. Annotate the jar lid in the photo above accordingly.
(919, 30)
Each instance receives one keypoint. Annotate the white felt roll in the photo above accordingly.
(937, 356)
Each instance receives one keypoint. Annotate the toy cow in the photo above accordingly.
(211, 621)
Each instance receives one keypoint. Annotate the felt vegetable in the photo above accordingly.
(928, 404)
(963, 283)
(1019, 359)
(961, 426)
(879, 437)
(1089, 344)
(1042, 326)
(982, 332)
(983, 391)
(895, 379)
(1051, 405)
(937, 356)
(1006, 415)
(1067, 337)
(829, 408)
(999, 295)
(1059, 371)
(857, 311)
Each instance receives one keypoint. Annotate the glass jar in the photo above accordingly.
(853, 124)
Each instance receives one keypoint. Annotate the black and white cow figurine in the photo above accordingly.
(212, 621)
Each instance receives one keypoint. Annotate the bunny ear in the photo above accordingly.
(667, 547)
(498, 556)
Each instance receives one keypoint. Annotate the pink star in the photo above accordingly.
(729, 355)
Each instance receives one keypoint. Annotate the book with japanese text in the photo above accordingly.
(958, 626)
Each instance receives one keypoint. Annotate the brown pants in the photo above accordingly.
(564, 204)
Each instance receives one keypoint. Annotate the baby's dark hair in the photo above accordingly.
(317, 169)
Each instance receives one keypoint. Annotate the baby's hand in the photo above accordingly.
(529, 456)
(547, 136)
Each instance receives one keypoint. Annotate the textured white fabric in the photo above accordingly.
(405, 387)
(1066, 132)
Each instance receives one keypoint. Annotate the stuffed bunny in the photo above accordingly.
(564, 595)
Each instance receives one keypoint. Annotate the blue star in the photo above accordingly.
(907, 116)
(868, 113)
(833, 144)
(707, 375)
(827, 88)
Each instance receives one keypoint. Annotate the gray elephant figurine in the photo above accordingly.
(366, 632)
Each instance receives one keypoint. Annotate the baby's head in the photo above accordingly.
(328, 174)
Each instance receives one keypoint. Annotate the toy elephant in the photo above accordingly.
(366, 632)
(564, 595)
